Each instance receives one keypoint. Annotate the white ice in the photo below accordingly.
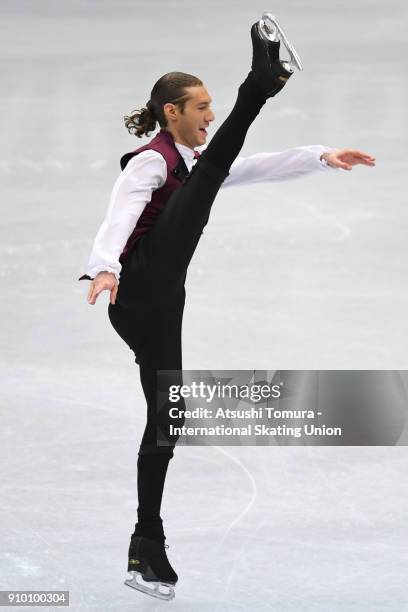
(309, 274)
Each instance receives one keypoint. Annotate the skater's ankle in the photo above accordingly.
(252, 89)
(152, 530)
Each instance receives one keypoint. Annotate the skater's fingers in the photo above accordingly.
(362, 156)
(359, 158)
(345, 166)
(351, 158)
(366, 162)
(113, 294)
(92, 293)
(356, 155)
(96, 289)
(92, 296)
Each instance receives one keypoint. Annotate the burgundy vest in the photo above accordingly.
(177, 170)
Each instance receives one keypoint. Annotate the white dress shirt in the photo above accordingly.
(147, 171)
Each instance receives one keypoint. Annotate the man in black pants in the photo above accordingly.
(151, 295)
(146, 307)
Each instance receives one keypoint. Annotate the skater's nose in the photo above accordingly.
(210, 116)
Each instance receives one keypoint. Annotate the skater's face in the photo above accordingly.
(189, 126)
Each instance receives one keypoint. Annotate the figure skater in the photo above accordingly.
(159, 206)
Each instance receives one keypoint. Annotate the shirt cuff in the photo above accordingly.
(94, 271)
(323, 162)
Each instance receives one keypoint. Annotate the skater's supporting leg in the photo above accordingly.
(151, 476)
(154, 335)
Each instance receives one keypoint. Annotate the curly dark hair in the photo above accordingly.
(169, 88)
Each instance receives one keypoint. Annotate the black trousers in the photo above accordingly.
(150, 302)
(149, 308)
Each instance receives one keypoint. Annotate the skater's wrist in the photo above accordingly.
(325, 160)
(106, 274)
(99, 270)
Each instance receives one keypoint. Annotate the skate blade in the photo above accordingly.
(273, 31)
(150, 588)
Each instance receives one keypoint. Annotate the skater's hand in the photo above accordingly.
(347, 158)
(103, 281)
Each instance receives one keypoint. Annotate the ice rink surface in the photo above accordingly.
(303, 274)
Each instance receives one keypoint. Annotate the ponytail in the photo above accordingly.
(169, 88)
(141, 121)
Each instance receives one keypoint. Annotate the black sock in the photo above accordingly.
(230, 136)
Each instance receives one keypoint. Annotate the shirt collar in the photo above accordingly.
(186, 153)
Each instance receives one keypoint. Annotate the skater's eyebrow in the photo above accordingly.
(204, 103)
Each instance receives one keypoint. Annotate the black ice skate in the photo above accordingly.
(269, 71)
(271, 30)
(149, 568)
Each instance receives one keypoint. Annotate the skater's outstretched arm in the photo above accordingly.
(293, 163)
(278, 166)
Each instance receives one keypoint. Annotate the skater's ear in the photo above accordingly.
(171, 112)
